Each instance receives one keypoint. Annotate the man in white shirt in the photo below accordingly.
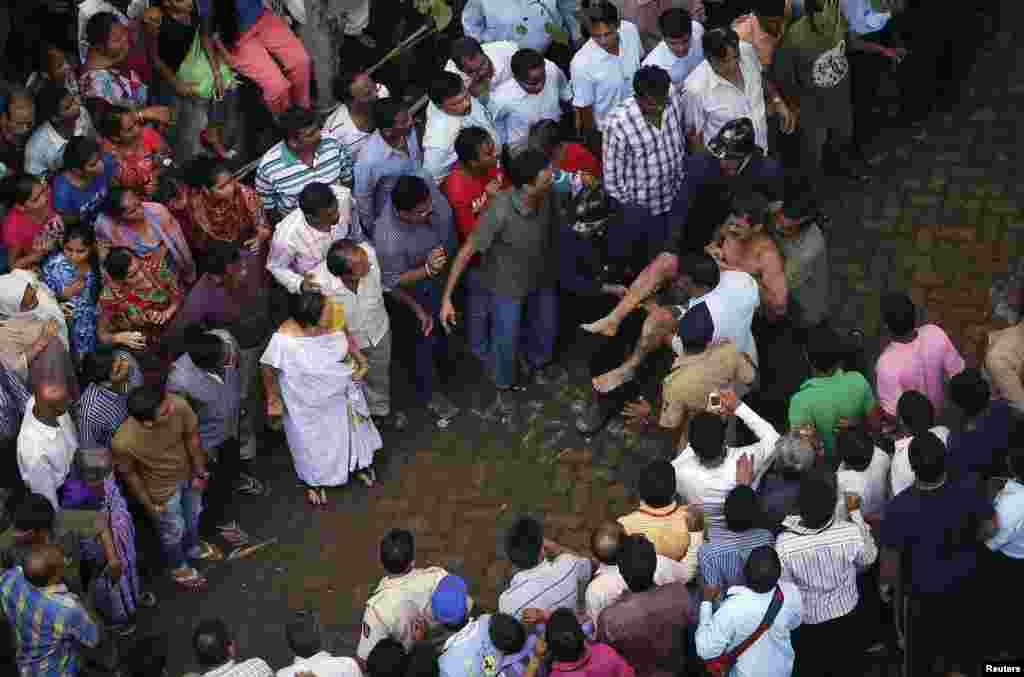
(707, 470)
(47, 442)
(483, 68)
(542, 583)
(608, 584)
(743, 610)
(350, 276)
(915, 414)
(525, 22)
(451, 109)
(301, 239)
(680, 50)
(537, 91)
(602, 71)
(728, 85)
(304, 640)
(217, 653)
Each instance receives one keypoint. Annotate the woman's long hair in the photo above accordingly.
(225, 22)
(87, 235)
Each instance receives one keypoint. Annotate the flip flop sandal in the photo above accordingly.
(245, 551)
(233, 534)
(250, 486)
(147, 600)
(209, 552)
(365, 478)
(192, 581)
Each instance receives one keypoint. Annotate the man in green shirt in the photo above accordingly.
(831, 398)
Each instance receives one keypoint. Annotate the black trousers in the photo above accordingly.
(829, 648)
(220, 490)
(948, 626)
(1004, 634)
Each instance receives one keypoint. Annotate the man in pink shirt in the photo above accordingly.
(573, 656)
(918, 358)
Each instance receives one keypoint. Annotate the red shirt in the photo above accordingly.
(576, 158)
(468, 197)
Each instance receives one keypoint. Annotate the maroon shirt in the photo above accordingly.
(649, 629)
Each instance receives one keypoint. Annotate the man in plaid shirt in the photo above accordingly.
(645, 163)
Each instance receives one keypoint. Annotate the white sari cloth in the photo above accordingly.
(326, 418)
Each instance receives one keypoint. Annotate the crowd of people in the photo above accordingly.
(639, 178)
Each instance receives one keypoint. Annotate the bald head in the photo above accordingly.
(606, 540)
(44, 564)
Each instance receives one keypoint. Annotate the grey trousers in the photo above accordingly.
(378, 378)
(193, 115)
(252, 422)
(317, 36)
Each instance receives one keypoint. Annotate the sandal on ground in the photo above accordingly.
(233, 534)
(365, 476)
(250, 486)
(316, 497)
(147, 600)
(208, 552)
(190, 580)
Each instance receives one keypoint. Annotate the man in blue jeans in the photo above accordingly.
(414, 235)
(517, 237)
(158, 453)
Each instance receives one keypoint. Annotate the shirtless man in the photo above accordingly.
(743, 245)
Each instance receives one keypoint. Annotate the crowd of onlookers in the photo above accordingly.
(639, 178)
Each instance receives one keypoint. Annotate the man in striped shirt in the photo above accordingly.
(822, 557)
(302, 158)
(645, 163)
(542, 583)
(722, 559)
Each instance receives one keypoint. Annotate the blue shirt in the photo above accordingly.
(85, 202)
(249, 12)
(983, 449)
(470, 652)
(49, 624)
(405, 246)
(722, 559)
(520, 21)
(376, 162)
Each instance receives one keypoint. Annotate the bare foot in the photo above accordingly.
(605, 326)
(607, 382)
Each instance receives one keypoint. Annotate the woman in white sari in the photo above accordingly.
(326, 419)
(33, 332)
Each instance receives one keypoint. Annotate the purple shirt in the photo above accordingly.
(649, 628)
(599, 660)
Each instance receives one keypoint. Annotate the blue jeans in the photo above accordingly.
(639, 234)
(537, 342)
(178, 524)
(429, 349)
(478, 313)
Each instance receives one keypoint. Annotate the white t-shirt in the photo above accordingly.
(500, 53)
(339, 126)
(323, 664)
(901, 474)
(871, 484)
(679, 67)
(604, 80)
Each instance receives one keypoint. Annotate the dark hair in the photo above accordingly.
(17, 188)
(742, 511)
(970, 391)
(113, 205)
(118, 261)
(855, 448)
(564, 636)
(916, 411)
(717, 42)
(316, 196)
(817, 499)
(108, 123)
(657, 484)
(35, 513)
(602, 12)
(87, 234)
(823, 348)
(675, 23)
(78, 151)
(206, 350)
(524, 61)
(98, 28)
(468, 142)
(211, 642)
(303, 636)
(408, 192)
(464, 48)
(49, 99)
(386, 110)
(306, 308)
(637, 561)
(422, 661)
(444, 86)
(337, 257)
(342, 85)
(226, 22)
(506, 633)
(387, 659)
(707, 436)
(763, 569)
(294, 120)
(545, 137)
(702, 269)
(144, 401)
(525, 167)
(927, 455)
(899, 313)
(221, 254)
(397, 551)
(524, 541)
(96, 366)
(202, 171)
(651, 81)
